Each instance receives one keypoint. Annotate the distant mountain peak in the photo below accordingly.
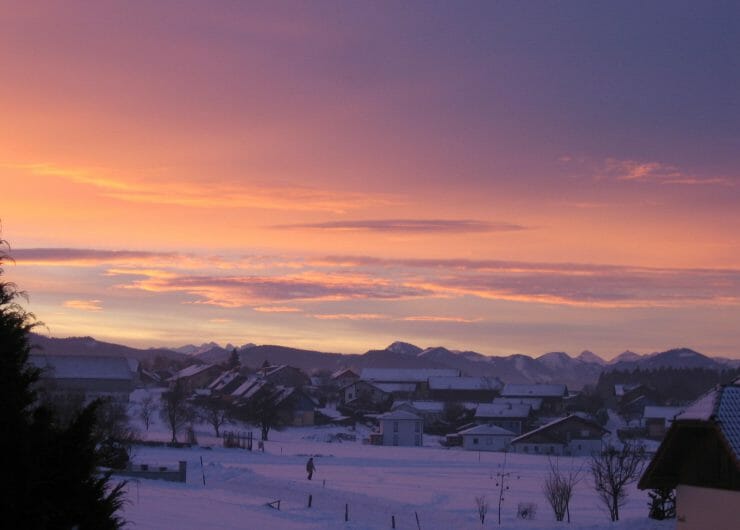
(590, 357)
(626, 356)
(404, 348)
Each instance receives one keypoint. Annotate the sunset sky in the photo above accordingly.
(507, 177)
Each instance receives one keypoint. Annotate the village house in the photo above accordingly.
(297, 407)
(512, 417)
(399, 428)
(195, 376)
(342, 378)
(534, 403)
(657, 420)
(552, 395)
(486, 438)
(226, 382)
(700, 458)
(89, 377)
(430, 411)
(408, 383)
(568, 436)
(284, 375)
(364, 393)
(454, 388)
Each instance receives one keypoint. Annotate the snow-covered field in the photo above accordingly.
(376, 483)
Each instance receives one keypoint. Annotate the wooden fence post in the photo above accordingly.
(346, 512)
(310, 499)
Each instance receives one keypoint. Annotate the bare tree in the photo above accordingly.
(558, 488)
(613, 470)
(265, 410)
(482, 506)
(175, 409)
(213, 411)
(146, 410)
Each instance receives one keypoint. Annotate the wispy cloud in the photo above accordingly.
(277, 289)
(658, 172)
(277, 309)
(84, 305)
(593, 285)
(213, 193)
(646, 171)
(455, 320)
(410, 225)
(89, 257)
(351, 316)
(239, 291)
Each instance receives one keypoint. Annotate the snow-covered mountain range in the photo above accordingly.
(518, 368)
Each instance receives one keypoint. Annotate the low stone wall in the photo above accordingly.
(155, 472)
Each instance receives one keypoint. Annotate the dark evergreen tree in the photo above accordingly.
(50, 475)
(234, 362)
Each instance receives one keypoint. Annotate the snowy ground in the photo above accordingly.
(376, 483)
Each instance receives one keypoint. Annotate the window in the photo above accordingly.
(475, 441)
(395, 426)
(536, 448)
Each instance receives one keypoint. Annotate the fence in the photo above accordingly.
(238, 440)
(158, 472)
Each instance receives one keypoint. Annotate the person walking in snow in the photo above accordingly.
(310, 468)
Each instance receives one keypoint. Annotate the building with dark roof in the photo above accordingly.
(700, 458)
(86, 375)
(568, 436)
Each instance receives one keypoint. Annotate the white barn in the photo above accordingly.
(486, 438)
(399, 428)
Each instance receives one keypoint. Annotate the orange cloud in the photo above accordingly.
(276, 309)
(212, 193)
(84, 305)
(351, 316)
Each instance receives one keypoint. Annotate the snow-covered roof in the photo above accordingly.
(536, 390)
(406, 375)
(189, 371)
(487, 430)
(398, 415)
(721, 405)
(666, 413)
(344, 372)
(395, 387)
(553, 423)
(464, 383)
(249, 387)
(535, 403)
(421, 406)
(507, 410)
(83, 367)
(223, 379)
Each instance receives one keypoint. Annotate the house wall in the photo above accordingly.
(402, 432)
(116, 389)
(704, 508)
(578, 447)
(486, 442)
(539, 448)
(303, 417)
(512, 425)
